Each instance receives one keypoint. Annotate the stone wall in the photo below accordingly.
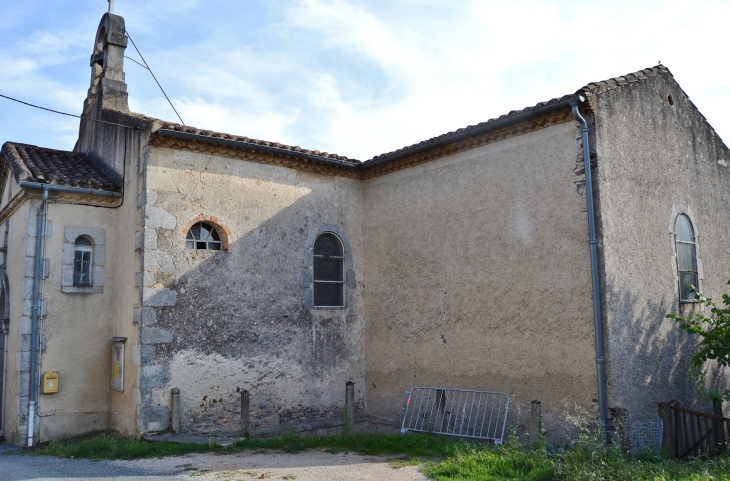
(213, 322)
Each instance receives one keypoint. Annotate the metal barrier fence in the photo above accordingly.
(457, 412)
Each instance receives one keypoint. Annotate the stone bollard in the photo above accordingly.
(175, 411)
(349, 406)
(669, 435)
(624, 433)
(535, 421)
(245, 415)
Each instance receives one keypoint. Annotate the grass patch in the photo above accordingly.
(111, 446)
(492, 464)
(441, 458)
(609, 465)
(515, 462)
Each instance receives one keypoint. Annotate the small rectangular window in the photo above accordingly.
(82, 268)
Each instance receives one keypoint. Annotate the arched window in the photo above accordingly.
(82, 261)
(203, 236)
(329, 273)
(684, 236)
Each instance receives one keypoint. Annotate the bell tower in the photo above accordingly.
(108, 88)
(106, 101)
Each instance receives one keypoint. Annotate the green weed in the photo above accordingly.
(440, 458)
(111, 446)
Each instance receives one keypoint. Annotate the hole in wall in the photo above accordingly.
(670, 100)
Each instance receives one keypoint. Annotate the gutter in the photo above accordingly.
(383, 159)
(63, 188)
(258, 148)
(600, 360)
(40, 234)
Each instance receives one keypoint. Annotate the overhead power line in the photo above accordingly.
(133, 60)
(146, 65)
(70, 115)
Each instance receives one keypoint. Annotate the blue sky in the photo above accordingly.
(355, 78)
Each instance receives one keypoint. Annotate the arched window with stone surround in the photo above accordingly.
(329, 271)
(684, 237)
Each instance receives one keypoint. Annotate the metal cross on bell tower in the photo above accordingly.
(111, 6)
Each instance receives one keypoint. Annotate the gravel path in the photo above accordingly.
(305, 466)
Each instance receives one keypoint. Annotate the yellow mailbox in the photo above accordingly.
(50, 383)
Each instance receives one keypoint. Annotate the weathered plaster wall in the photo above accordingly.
(9, 190)
(77, 325)
(78, 322)
(16, 408)
(479, 273)
(655, 158)
(215, 323)
(125, 264)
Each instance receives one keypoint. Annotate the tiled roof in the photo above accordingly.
(588, 90)
(239, 138)
(466, 130)
(594, 88)
(49, 166)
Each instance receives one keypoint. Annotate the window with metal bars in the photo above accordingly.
(686, 258)
(83, 251)
(329, 272)
(203, 236)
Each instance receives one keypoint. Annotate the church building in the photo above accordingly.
(159, 275)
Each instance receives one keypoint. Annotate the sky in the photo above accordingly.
(357, 78)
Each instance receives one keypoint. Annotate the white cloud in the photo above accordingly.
(362, 78)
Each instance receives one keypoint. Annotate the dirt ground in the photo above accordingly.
(305, 466)
(243, 466)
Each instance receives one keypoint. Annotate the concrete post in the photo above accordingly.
(175, 411)
(535, 421)
(624, 434)
(717, 408)
(349, 406)
(669, 434)
(245, 415)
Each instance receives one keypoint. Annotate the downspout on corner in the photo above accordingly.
(34, 320)
(600, 358)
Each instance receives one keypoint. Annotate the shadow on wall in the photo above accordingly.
(230, 321)
(647, 363)
(648, 355)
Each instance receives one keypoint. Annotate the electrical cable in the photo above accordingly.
(153, 76)
(133, 60)
(70, 115)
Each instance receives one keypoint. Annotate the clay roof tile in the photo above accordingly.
(38, 164)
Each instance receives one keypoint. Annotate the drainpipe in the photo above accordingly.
(5, 377)
(40, 234)
(600, 361)
(34, 319)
